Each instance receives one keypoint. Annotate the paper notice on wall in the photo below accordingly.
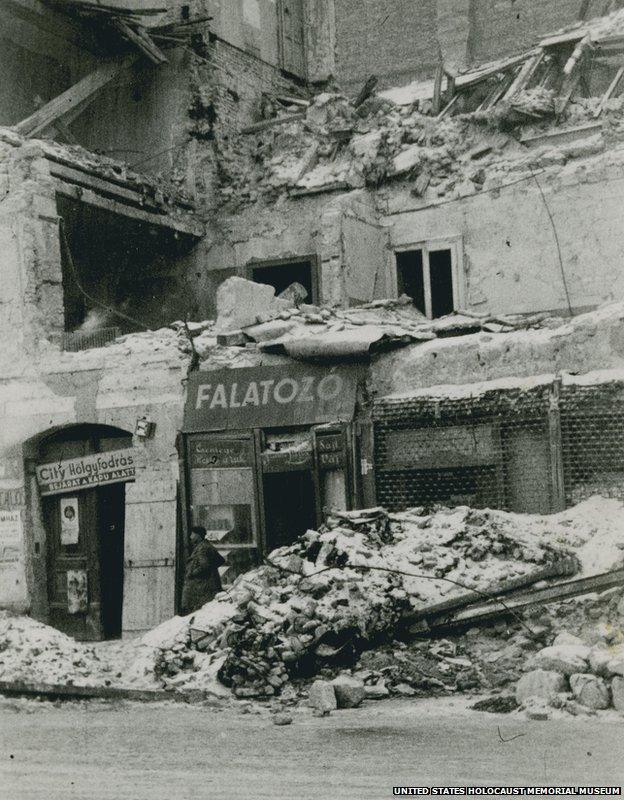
(77, 599)
(10, 535)
(70, 521)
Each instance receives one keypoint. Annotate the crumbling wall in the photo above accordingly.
(592, 341)
(402, 40)
(511, 256)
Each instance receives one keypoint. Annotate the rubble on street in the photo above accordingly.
(329, 608)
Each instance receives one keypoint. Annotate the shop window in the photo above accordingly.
(430, 275)
(281, 274)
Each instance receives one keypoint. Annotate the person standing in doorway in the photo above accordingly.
(201, 576)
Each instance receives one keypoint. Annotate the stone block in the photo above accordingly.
(322, 697)
(376, 691)
(232, 339)
(617, 693)
(239, 302)
(349, 691)
(564, 658)
(599, 658)
(540, 683)
(590, 690)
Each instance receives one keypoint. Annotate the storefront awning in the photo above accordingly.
(269, 397)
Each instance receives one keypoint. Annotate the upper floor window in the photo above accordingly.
(430, 274)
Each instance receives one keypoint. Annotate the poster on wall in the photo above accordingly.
(77, 600)
(70, 521)
(10, 535)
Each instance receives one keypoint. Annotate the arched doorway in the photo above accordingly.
(84, 523)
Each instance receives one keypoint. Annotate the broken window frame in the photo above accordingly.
(452, 243)
(313, 259)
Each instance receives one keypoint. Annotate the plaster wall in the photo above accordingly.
(510, 256)
(589, 342)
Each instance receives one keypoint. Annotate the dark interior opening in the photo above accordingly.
(280, 276)
(441, 274)
(288, 507)
(410, 276)
(123, 263)
(111, 508)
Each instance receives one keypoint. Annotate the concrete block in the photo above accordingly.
(349, 691)
(540, 683)
(322, 697)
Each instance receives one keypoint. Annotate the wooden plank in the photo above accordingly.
(189, 226)
(77, 94)
(366, 91)
(570, 85)
(437, 90)
(564, 567)
(449, 106)
(551, 594)
(142, 40)
(577, 55)
(563, 38)
(476, 76)
(79, 178)
(71, 692)
(98, 7)
(524, 75)
(610, 92)
(273, 123)
(557, 137)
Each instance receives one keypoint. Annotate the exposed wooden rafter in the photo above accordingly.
(77, 96)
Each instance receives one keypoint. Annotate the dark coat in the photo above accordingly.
(201, 576)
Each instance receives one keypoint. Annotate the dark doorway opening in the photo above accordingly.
(289, 508)
(111, 512)
(410, 277)
(441, 277)
(85, 556)
(281, 275)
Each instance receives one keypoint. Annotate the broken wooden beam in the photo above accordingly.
(526, 72)
(139, 37)
(437, 91)
(577, 54)
(610, 92)
(366, 91)
(564, 567)
(513, 604)
(77, 95)
(274, 122)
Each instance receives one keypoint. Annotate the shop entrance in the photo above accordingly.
(289, 507)
(84, 534)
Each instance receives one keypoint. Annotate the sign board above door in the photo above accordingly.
(86, 472)
(269, 397)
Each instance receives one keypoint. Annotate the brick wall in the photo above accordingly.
(400, 40)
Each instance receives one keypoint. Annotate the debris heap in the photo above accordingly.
(346, 588)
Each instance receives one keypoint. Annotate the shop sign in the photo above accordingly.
(213, 452)
(10, 535)
(330, 451)
(440, 448)
(286, 460)
(259, 397)
(85, 472)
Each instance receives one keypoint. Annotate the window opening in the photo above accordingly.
(281, 275)
(428, 277)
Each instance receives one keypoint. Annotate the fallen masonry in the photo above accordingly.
(329, 608)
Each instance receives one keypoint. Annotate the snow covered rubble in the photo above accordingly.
(311, 615)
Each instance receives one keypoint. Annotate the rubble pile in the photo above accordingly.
(31, 652)
(343, 590)
(575, 675)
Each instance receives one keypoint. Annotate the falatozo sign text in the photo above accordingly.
(263, 396)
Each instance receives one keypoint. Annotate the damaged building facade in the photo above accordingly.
(452, 237)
